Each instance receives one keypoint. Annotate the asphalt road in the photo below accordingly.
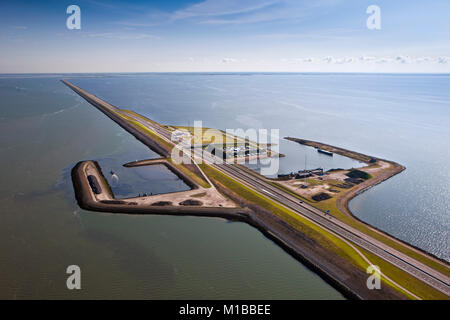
(402, 261)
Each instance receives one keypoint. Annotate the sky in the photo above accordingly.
(225, 36)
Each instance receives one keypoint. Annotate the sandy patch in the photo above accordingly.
(209, 197)
(317, 184)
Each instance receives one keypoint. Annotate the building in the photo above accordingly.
(180, 135)
(303, 175)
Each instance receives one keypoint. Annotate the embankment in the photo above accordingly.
(342, 202)
(342, 275)
(338, 272)
(87, 200)
(343, 152)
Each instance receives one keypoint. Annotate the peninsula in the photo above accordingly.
(307, 215)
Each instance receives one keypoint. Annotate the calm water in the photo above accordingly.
(45, 129)
(130, 182)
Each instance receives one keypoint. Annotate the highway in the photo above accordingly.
(399, 259)
(404, 262)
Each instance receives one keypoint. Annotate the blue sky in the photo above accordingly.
(225, 35)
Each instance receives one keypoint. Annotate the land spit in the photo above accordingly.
(340, 273)
(106, 202)
(381, 169)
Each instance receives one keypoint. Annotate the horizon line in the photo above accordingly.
(220, 72)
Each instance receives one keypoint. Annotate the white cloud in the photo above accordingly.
(122, 36)
(422, 59)
(228, 60)
(344, 60)
(215, 8)
(308, 60)
(443, 60)
(399, 59)
(239, 12)
(338, 60)
(349, 60)
(367, 58)
(403, 59)
(329, 59)
(384, 60)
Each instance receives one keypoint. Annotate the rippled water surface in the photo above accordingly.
(45, 129)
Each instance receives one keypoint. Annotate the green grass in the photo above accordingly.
(305, 226)
(141, 117)
(209, 136)
(142, 128)
(337, 245)
(313, 231)
(199, 180)
(150, 133)
(330, 204)
(404, 279)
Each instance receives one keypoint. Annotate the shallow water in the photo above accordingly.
(45, 129)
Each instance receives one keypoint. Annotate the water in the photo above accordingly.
(130, 182)
(45, 129)
(300, 157)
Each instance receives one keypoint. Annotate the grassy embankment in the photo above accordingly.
(308, 228)
(322, 237)
(331, 205)
(194, 176)
(132, 113)
(199, 180)
(211, 136)
(402, 278)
